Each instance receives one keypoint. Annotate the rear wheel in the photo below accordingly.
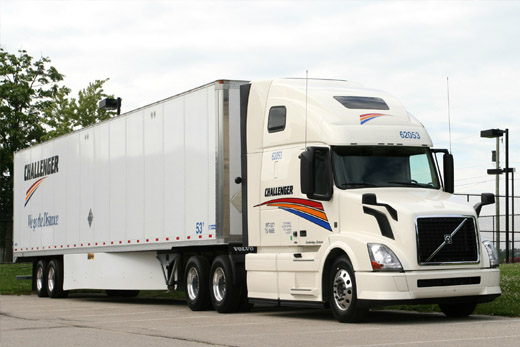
(458, 310)
(225, 291)
(55, 279)
(41, 278)
(343, 292)
(196, 283)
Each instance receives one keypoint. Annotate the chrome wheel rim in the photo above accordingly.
(219, 284)
(39, 278)
(342, 289)
(51, 278)
(192, 283)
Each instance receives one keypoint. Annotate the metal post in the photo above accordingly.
(507, 195)
(497, 193)
(513, 214)
(119, 106)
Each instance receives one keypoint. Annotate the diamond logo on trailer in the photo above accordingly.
(90, 218)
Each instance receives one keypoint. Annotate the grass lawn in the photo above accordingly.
(506, 305)
(9, 285)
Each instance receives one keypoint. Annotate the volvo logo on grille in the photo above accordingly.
(448, 240)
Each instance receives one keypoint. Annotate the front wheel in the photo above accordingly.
(343, 292)
(196, 280)
(458, 310)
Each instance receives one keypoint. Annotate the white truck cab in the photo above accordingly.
(346, 205)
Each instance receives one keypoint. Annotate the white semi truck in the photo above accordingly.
(287, 191)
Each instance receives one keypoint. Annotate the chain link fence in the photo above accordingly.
(489, 224)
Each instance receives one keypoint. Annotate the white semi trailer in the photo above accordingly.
(287, 191)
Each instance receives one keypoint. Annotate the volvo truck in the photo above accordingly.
(287, 192)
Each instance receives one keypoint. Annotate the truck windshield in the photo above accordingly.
(383, 166)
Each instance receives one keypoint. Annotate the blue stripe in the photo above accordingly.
(34, 191)
(366, 120)
(310, 218)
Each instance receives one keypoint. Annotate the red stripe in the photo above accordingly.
(304, 202)
(35, 183)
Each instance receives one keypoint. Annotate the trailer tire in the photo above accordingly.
(225, 291)
(40, 278)
(196, 283)
(343, 292)
(55, 279)
(458, 310)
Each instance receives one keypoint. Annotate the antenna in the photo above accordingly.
(306, 89)
(449, 116)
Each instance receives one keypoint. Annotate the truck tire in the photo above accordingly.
(225, 291)
(55, 279)
(41, 278)
(458, 310)
(196, 283)
(343, 292)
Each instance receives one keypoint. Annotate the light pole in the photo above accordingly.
(491, 133)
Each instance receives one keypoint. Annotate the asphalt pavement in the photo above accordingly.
(98, 320)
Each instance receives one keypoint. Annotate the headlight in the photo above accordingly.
(382, 258)
(492, 252)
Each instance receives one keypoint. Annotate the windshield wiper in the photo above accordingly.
(413, 184)
(358, 184)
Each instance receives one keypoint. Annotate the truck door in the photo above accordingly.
(279, 226)
(317, 213)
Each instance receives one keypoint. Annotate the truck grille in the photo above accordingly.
(443, 240)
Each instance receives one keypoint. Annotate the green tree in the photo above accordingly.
(34, 106)
(27, 86)
(64, 114)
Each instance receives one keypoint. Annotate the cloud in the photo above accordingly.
(154, 49)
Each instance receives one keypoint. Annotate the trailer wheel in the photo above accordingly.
(225, 291)
(41, 278)
(55, 279)
(197, 286)
(458, 310)
(343, 292)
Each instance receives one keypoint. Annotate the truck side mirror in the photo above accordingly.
(449, 176)
(307, 172)
(485, 199)
(316, 173)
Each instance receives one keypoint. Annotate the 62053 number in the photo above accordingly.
(410, 135)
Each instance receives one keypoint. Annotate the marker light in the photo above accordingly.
(492, 252)
(382, 258)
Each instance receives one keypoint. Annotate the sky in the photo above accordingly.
(151, 50)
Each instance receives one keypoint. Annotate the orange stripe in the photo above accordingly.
(308, 210)
(32, 190)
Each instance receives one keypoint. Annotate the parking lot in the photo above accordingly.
(97, 320)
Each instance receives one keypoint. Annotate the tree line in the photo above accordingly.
(35, 106)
